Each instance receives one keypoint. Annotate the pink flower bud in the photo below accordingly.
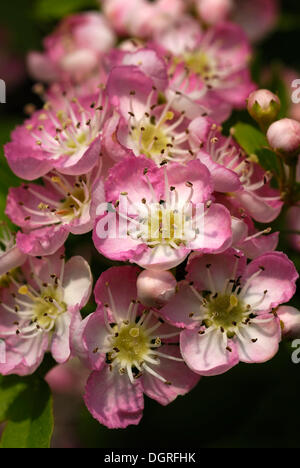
(290, 320)
(264, 107)
(214, 11)
(284, 137)
(155, 288)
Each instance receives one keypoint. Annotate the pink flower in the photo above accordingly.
(48, 213)
(130, 351)
(208, 67)
(10, 255)
(73, 52)
(144, 125)
(245, 182)
(142, 18)
(67, 139)
(257, 18)
(37, 308)
(162, 214)
(225, 308)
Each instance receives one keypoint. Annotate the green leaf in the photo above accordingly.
(10, 387)
(254, 143)
(249, 138)
(27, 407)
(46, 10)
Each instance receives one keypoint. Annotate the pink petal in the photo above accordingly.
(267, 332)
(207, 354)
(277, 276)
(182, 379)
(113, 400)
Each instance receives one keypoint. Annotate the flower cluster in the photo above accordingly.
(129, 147)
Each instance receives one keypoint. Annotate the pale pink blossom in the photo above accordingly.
(48, 213)
(170, 212)
(73, 52)
(256, 17)
(130, 351)
(209, 68)
(142, 18)
(37, 308)
(225, 307)
(67, 139)
(244, 181)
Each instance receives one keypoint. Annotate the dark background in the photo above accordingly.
(250, 406)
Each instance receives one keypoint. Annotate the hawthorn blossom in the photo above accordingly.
(209, 68)
(156, 216)
(48, 213)
(130, 351)
(241, 178)
(10, 255)
(146, 123)
(67, 139)
(37, 307)
(73, 52)
(225, 307)
(141, 18)
(257, 18)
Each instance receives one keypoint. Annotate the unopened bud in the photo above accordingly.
(155, 288)
(284, 137)
(290, 321)
(264, 107)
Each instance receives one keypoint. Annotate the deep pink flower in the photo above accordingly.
(242, 178)
(37, 308)
(67, 139)
(162, 214)
(208, 67)
(225, 308)
(48, 213)
(146, 124)
(73, 52)
(131, 351)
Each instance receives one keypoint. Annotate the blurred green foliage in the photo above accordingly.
(26, 405)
